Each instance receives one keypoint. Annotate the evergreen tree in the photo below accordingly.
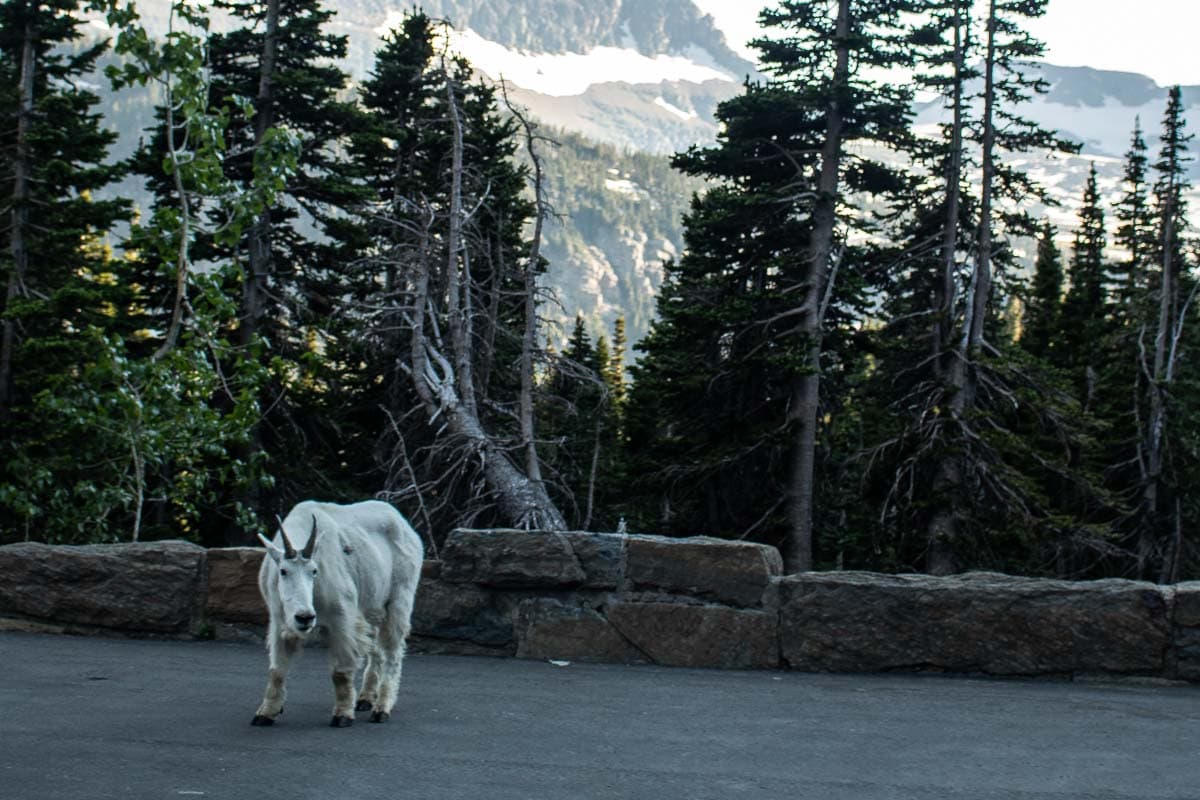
(1135, 230)
(615, 368)
(973, 437)
(725, 407)
(821, 54)
(61, 280)
(1043, 308)
(1084, 323)
(1160, 522)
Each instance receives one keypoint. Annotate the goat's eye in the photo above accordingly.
(283, 572)
(314, 572)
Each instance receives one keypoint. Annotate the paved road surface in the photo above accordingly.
(101, 718)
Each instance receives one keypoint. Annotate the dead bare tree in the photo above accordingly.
(529, 278)
(439, 320)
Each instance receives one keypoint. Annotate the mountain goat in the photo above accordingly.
(356, 579)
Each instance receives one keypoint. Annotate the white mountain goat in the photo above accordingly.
(356, 579)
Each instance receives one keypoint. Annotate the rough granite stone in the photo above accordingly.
(149, 587)
(600, 556)
(978, 622)
(1186, 631)
(549, 628)
(510, 559)
(460, 611)
(233, 594)
(736, 573)
(698, 636)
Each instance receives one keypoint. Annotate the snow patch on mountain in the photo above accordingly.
(674, 109)
(570, 74)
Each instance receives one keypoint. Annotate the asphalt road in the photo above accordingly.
(105, 718)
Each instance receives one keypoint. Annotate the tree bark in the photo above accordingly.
(946, 290)
(943, 530)
(524, 503)
(1160, 381)
(457, 282)
(255, 286)
(806, 388)
(22, 168)
(529, 336)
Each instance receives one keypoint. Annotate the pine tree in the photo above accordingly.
(1084, 322)
(814, 55)
(1135, 230)
(1043, 308)
(1160, 545)
(724, 412)
(61, 281)
(615, 369)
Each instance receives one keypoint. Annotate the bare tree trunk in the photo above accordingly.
(522, 502)
(255, 286)
(440, 383)
(19, 218)
(806, 388)
(943, 530)
(981, 280)
(946, 291)
(457, 282)
(1158, 386)
(529, 336)
(589, 508)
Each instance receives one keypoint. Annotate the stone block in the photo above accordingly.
(510, 559)
(150, 587)
(735, 573)
(233, 594)
(460, 611)
(680, 635)
(601, 556)
(1185, 632)
(978, 622)
(549, 628)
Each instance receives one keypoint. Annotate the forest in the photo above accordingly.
(338, 292)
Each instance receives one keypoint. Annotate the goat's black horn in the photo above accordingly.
(312, 540)
(288, 550)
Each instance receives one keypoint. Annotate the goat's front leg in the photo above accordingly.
(343, 662)
(280, 651)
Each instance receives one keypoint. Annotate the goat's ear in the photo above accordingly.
(272, 549)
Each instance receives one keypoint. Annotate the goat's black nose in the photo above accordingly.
(304, 620)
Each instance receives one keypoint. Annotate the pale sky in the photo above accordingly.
(1153, 37)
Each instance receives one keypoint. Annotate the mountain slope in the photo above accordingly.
(644, 77)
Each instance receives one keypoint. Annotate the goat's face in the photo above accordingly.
(295, 575)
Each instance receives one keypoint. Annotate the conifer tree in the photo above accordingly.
(727, 403)
(1043, 308)
(59, 277)
(1159, 548)
(615, 369)
(1084, 322)
(1135, 230)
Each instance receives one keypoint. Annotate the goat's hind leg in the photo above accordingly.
(392, 636)
(280, 652)
(371, 679)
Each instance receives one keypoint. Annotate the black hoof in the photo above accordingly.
(362, 705)
(380, 716)
(341, 722)
(261, 721)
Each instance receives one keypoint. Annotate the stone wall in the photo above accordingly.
(646, 600)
